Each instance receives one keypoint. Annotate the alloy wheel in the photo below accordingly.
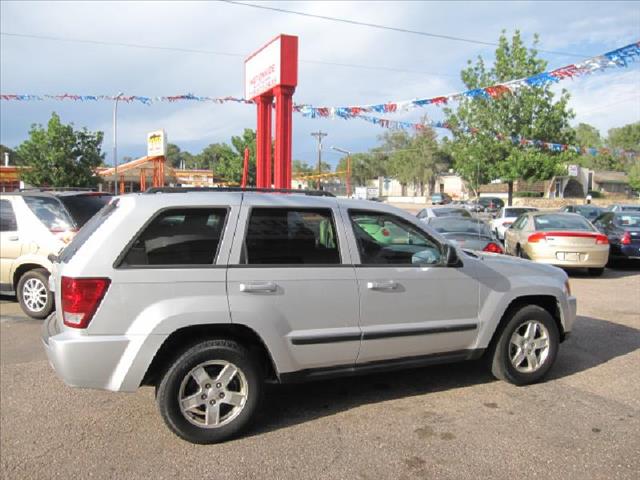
(529, 346)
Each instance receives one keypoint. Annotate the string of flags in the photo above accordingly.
(618, 58)
(517, 140)
(123, 98)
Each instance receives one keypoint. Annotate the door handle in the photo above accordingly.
(386, 285)
(13, 238)
(268, 287)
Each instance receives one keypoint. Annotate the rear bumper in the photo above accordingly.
(105, 362)
(626, 251)
(591, 258)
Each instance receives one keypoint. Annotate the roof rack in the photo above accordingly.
(58, 189)
(313, 193)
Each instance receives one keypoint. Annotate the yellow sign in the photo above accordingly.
(156, 143)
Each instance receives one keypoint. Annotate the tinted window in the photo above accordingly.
(283, 236)
(387, 239)
(83, 207)
(561, 222)
(451, 212)
(185, 236)
(7, 217)
(50, 212)
(630, 208)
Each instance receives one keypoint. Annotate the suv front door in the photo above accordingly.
(411, 303)
(290, 279)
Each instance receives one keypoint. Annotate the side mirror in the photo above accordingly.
(451, 256)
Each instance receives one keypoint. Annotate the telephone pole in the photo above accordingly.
(319, 135)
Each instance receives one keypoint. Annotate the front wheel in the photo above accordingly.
(211, 392)
(34, 295)
(526, 347)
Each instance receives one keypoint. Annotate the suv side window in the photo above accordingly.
(290, 236)
(7, 217)
(179, 236)
(385, 239)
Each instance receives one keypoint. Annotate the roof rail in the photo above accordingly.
(313, 193)
(58, 189)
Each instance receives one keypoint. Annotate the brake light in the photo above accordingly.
(493, 248)
(602, 240)
(81, 298)
(537, 237)
(626, 239)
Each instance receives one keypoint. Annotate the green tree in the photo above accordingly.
(176, 157)
(528, 112)
(60, 156)
(365, 166)
(634, 175)
(627, 137)
(588, 136)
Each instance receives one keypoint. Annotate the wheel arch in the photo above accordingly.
(184, 338)
(547, 302)
(24, 268)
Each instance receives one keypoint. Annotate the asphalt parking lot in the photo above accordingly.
(450, 421)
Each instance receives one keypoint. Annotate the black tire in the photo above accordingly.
(499, 355)
(168, 391)
(595, 272)
(38, 276)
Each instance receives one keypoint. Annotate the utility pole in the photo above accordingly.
(319, 135)
(115, 144)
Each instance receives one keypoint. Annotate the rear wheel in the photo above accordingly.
(211, 392)
(596, 272)
(526, 347)
(34, 295)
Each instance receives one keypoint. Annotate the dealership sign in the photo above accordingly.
(156, 143)
(273, 65)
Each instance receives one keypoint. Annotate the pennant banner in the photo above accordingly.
(123, 98)
(618, 58)
(555, 147)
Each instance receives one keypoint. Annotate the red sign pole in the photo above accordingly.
(273, 71)
(245, 167)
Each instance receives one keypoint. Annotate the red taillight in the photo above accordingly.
(81, 298)
(493, 248)
(626, 239)
(537, 237)
(602, 240)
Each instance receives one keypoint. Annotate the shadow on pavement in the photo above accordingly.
(592, 343)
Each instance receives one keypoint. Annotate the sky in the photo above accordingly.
(376, 65)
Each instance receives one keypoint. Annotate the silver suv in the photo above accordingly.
(207, 295)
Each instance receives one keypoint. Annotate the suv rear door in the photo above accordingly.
(291, 280)
(409, 309)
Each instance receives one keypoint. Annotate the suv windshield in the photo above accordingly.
(50, 212)
(84, 206)
(562, 222)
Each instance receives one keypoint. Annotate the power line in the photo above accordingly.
(387, 27)
(212, 52)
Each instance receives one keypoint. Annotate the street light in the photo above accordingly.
(348, 154)
(115, 143)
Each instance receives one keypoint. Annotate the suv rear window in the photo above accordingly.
(283, 236)
(83, 207)
(50, 212)
(179, 236)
